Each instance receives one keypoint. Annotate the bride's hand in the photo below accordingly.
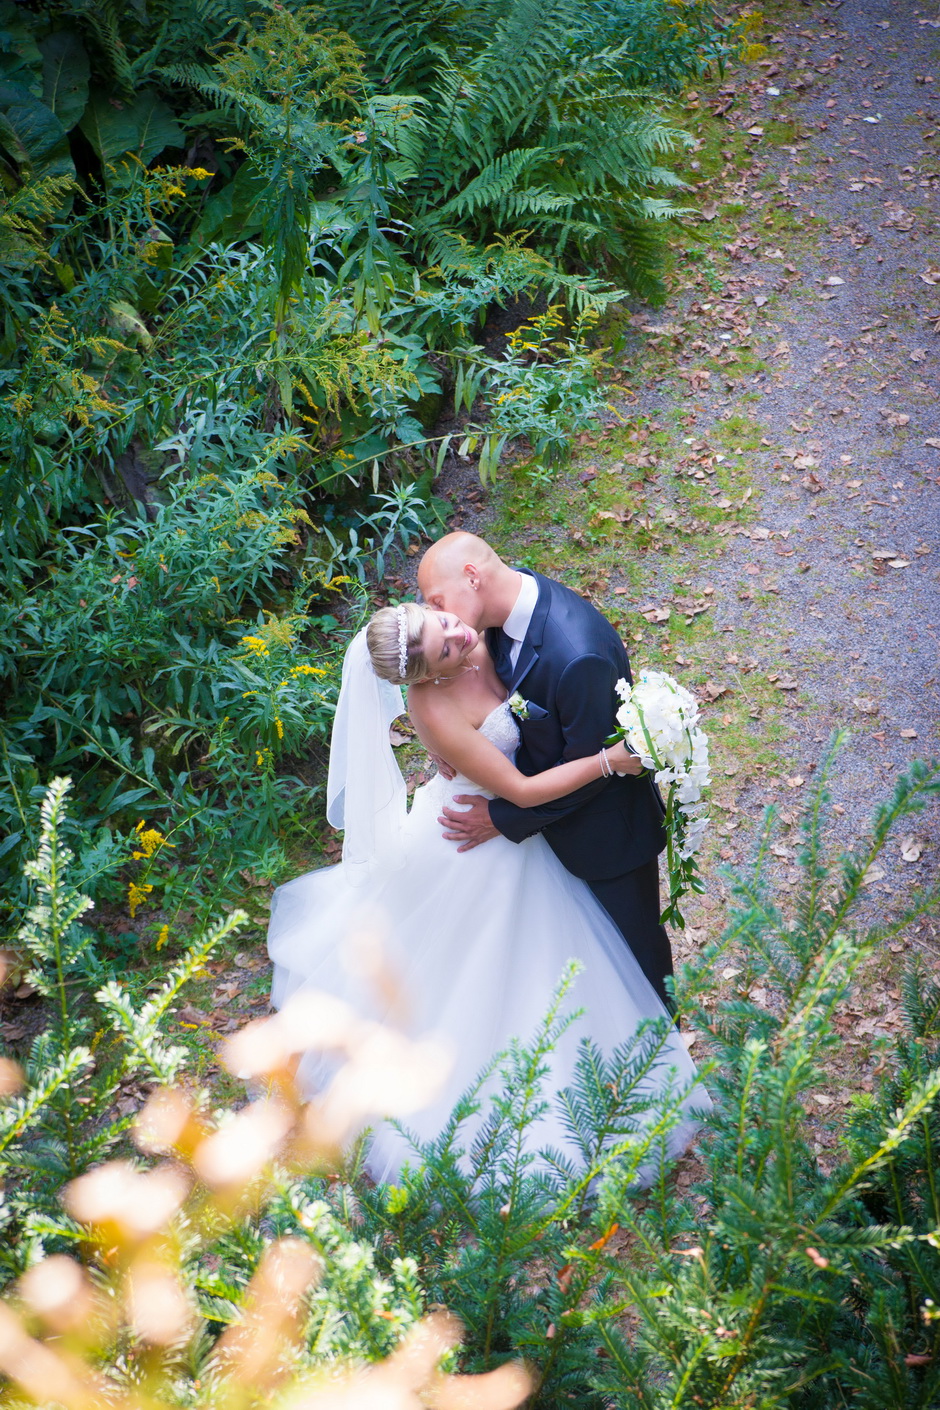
(623, 762)
(446, 771)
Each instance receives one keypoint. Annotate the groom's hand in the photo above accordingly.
(471, 825)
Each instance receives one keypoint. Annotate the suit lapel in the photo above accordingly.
(532, 641)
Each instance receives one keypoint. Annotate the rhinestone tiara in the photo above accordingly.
(402, 639)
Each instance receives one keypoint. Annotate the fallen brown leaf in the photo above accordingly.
(251, 879)
(189, 1014)
(912, 848)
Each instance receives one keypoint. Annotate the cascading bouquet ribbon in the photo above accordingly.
(659, 719)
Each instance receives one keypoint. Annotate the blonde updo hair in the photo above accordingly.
(383, 643)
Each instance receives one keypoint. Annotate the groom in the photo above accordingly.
(558, 652)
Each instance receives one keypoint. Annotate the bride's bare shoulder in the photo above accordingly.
(429, 705)
(424, 701)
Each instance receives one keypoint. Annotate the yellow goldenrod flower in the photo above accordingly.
(149, 841)
(280, 728)
(136, 896)
(163, 937)
(256, 644)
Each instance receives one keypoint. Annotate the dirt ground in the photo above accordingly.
(759, 511)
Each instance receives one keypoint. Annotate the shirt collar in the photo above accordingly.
(517, 623)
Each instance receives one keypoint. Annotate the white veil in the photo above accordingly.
(365, 791)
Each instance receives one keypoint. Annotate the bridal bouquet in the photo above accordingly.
(659, 720)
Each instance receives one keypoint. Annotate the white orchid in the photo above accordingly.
(659, 719)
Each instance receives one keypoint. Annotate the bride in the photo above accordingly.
(476, 940)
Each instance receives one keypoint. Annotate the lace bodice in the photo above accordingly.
(499, 728)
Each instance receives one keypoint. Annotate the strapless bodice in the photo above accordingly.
(499, 728)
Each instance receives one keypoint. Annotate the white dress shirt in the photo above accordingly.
(517, 623)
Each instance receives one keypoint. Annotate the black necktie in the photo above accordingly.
(502, 655)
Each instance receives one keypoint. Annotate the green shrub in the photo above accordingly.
(792, 1276)
(792, 1273)
(94, 1044)
(148, 657)
(241, 255)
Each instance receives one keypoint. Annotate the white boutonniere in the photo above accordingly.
(519, 707)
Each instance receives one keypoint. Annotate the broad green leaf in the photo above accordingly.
(31, 133)
(129, 323)
(64, 76)
(232, 213)
(19, 54)
(157, 128)
(143, 126)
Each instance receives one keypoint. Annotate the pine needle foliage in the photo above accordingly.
(64, 1120)
(796, 1275)
(507, 1232)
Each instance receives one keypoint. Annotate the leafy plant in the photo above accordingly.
(533, 118)
(795, 1277)
(245, 254)
(542, 390)
(793, 1273)
(65, 1119)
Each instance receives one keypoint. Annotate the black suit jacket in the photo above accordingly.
(568, 667)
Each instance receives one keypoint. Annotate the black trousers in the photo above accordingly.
(632, 902)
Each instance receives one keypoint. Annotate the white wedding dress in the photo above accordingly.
(478, 941)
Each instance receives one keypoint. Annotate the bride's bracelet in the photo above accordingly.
(606, 770)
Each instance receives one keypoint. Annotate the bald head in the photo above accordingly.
(460, 573)
(454, 552)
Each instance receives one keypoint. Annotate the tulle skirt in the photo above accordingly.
(477, 943)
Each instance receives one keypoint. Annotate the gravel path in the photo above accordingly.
(806, 321)
(845, 313)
